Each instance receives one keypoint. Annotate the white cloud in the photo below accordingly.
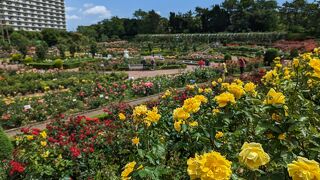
(72, 17)
(88, 5)
(102, 11)
(68, 8)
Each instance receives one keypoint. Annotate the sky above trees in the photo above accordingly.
(86, 12)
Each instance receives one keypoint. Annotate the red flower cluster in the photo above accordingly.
(16, 167)
(33, 131)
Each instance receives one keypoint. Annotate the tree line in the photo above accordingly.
(298, 16)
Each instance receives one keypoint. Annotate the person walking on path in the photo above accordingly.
(242, 64)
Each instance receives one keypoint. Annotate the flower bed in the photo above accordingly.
(17, 111)
(222, 130)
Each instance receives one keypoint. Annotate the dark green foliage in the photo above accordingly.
(41, 50)
(6, 146)
(270, 55)
(294, 53)
(227, 57)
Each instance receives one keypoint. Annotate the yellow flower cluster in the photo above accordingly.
(190, 105)
(304, 169)
(274, 98)
(209, 166)
(271, 77)
(141, 113)
(253, 155)
(236, 90)
(166, 94)
(135, 140)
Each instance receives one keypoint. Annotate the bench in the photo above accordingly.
(135, 66)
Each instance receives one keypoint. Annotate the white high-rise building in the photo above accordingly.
(33, 15)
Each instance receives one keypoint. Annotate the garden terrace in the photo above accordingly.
(19, 111)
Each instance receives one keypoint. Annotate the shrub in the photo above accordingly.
(270, 55)
(58, 63)
(294, 53)
(27, 60)
(41, 51)
(227, 57)
(6, 146)
(16, 57)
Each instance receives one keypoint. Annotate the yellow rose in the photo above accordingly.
(274, 98)
(201, 98)
(304, 169)
(214, 83)
(282, 136)
(209, 166)
(135, 140)
(180, 114)
(43, 143)
(152, 116)
(215, 111)
(30, 137)
(250, 87)
(236, 90)
(219, 80)
(193, 123)
(225, 98)
(219, 135)
(253, 155)
(177, 125)
(122, 117)
(191, 105)
(128, 169)
(43, 134)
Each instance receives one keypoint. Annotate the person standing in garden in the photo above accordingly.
(242, 64)
(224, 71)
(153, 63)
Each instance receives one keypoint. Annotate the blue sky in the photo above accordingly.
(86, 12)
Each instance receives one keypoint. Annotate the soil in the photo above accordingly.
(305, 45)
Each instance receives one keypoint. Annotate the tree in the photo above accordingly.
(62, 48)
(72, 49)
(41, 50)
(6, 146)
(50, 36)
(93, 49)
(21, 42)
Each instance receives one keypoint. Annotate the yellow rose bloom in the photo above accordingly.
(193, 124)
(128, 169)
(191, 105)
(236, 90)
(43, 143)
(315, 64)
(180, 114)
(253, 155)
(122, 117)
(282, 136)
(30, 137)
(140, 110)
(211, 165)
(208, 90)
(274, 98)
(215, 111)
(219, 80)
(250, 87)
(201, 98)
(152, 116)
(295, 63)
(177, 125)
(43, 134)
(135, 140)
(304, 169)
(214, 83)
(219, 135)
(200, 90)
(225, 98)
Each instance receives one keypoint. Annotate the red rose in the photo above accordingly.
(16, 167)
